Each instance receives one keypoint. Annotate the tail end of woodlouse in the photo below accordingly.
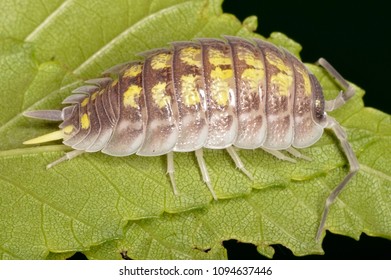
(49, 115)
(56, 135)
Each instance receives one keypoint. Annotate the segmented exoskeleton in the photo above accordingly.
(208, 93)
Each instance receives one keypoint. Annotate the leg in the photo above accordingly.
(297, 154)
(68, 156)
(343, 96)
(279, 155)
(204, 171)
(170, 171)
(239, 164)
(354, 167)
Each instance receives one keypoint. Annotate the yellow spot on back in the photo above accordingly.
(133, 71)
(249, 58)
(218, 73)
(217, 57)
(219, 87)
(161, 61)
(94, 96)
(114, 83)
(190, 95)
(130, 96)
(306, 78)
(68, 129)
(160, 96)
(279, 63)
(85, 121)
(85, 102)
(189, 56)
(283, 82)
(220, 92)
(253, 77)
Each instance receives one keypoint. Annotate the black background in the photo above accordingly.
(354, 37)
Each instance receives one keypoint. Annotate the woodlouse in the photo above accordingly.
(208, 93)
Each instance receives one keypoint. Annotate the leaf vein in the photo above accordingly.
(47, 21)
(375, 172)
(43, 224)
(154, 238)
(106, 47)
(10, 253)
(15, 118)
(114, 186)
(40, 200)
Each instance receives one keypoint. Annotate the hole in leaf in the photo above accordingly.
(124, 255)
(78, 256)
(336, 247)
(237, 250)
(201, 249)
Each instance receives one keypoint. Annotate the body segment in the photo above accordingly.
(250, 76)
(189, 89)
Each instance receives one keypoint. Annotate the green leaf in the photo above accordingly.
(105, 206)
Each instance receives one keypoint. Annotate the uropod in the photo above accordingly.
(208, 93)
